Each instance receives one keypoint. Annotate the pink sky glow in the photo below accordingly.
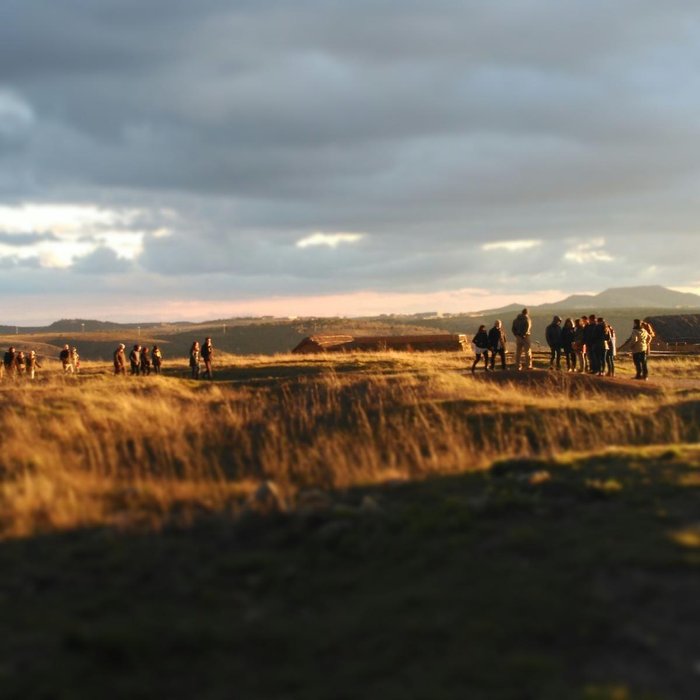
(354, 304)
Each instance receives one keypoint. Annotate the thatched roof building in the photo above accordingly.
(443, 342)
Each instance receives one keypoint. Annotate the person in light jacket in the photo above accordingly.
(638, 342)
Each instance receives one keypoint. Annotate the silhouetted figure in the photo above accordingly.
(145, 361)
(208, 358)
(553, 337)
(567, 344)
(481, 348)
(522, 329)
(135, 360)
(497, 344)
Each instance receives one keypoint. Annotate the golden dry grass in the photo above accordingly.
(95, 449)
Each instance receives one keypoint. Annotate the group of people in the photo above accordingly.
(17, 363)
(70, 359)
(588, 344)
(202, 355)
(141, 361)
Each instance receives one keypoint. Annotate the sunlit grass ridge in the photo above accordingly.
(96, 449)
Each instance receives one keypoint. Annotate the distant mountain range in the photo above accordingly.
(647, 298)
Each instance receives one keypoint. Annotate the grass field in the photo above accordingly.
(427, 533)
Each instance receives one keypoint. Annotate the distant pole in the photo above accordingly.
(16, 330)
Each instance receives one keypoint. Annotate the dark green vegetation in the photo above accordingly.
(570, 579)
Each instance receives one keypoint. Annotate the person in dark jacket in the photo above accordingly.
(599, 345)
(64, 357)
(135, 359)
(120, 360)
(568, 333)
(497, 344)
(553, 337)
(20, 364)
(208, 358)
(145, 361)
(156, 359)
(480, 343)
(522, 330)
(8, 361)
(579, 345)
(589, 340)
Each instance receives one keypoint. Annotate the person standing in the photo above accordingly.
(120, 360)
(610, 350)
(497, 344)
(195, 358)
(20, 364)
(8, 361)
(568, 333)
(156, 359)
(64, 357)
(638, 343)
(32, 364)
(145, 361)
(75, 359)
(480, 343)
(135, 360)
(522, 330)
(553, 337)
(208, 358)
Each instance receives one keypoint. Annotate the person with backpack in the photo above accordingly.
(522, 329)
(480, 343)
(497, 344)
(553, 337)
(208, 358)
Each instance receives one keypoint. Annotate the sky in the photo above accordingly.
(171, 159)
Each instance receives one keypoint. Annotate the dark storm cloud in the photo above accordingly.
(432, 128)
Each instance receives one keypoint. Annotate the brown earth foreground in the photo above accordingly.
(375, 526)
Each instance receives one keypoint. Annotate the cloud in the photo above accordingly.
(331, 240)
(511, 246)
(449, 131)
(593, 251)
